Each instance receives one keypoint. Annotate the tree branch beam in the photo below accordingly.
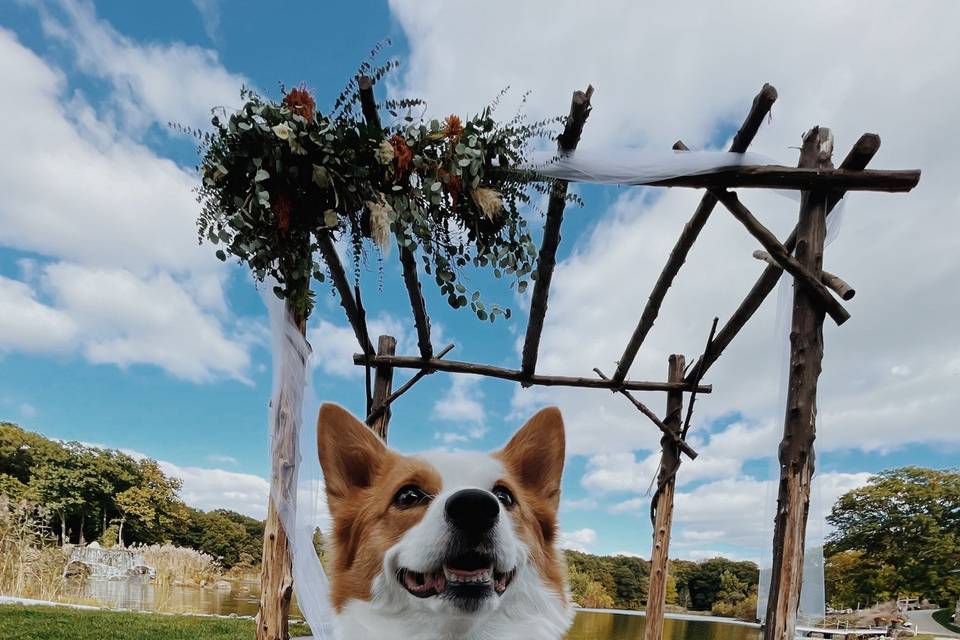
(791, 265)
(453, 366)
(547, 259)
(833, 282)
(342, 285)
(762, 104)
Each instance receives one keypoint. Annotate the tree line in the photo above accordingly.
(83, 494)
(718, 585)
(897, 536)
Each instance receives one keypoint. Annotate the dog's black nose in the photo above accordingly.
(472, 511)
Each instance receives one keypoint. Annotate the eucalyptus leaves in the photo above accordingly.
(277, 175)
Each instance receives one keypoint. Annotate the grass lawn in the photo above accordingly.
(61, 623)
(943, 617)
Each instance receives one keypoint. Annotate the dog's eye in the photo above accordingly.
(410, 496)
(504, 496)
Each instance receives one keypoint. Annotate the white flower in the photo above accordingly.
(490, 201)
(384, 152)
(282, 131)
(380, 212)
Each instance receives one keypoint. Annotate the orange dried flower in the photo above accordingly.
(403, 155)
(300, 101)
(452, 127)
(282, 208)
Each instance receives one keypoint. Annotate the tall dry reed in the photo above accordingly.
(180, 565)
(31, 562)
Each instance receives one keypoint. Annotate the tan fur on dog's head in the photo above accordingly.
(363, 477)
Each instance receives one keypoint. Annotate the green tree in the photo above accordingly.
(672, 595)
(906, 523)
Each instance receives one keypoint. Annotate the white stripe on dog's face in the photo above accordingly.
(462, 537)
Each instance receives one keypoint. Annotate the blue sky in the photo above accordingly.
(120, 331)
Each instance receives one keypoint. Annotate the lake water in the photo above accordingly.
(243, 599)
(612, 626)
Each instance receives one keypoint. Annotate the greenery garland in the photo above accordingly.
(279, 175)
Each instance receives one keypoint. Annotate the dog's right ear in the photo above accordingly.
(350, 453)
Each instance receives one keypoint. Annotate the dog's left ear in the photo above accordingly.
(535, 455)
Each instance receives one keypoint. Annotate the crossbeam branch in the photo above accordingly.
(791, 265)
(453, 366)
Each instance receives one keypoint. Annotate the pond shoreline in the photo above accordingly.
(691, 617)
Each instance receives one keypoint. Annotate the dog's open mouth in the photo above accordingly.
(470, 575)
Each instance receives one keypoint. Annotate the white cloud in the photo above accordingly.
(335, 344)
(733, 511)
(222, 459)
(127, 320)
(28, 411)
(29, 324)
(722, 456)
(208, 489)
(209, 11)
(116, 223)
(577, 540)
(463, 402)
(578, 504)
(151, 83)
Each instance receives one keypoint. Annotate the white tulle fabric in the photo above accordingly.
(301, 507)
(635, 167)
(812, 590)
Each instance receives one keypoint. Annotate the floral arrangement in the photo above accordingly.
(279, 175)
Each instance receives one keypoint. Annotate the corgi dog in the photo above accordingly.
(445, 545)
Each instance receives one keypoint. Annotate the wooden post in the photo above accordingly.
(382, 386)
(663, 502)
(799, 429)
(276, 573)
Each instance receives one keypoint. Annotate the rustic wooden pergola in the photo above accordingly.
(816, 294)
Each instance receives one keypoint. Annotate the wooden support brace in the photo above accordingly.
(383, 384)
(762, 104)
(790, 264)
(833, 282)
(796, 453)
(453, 366)
(347, 300)
(414, 379)
(675, 439)
(663, 514)
(547, 259)
(859, 157)
(368, 104)
(411, 280)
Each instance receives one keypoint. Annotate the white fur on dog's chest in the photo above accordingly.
(532, 617)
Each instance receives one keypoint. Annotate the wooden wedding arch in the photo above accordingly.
(815, 296)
